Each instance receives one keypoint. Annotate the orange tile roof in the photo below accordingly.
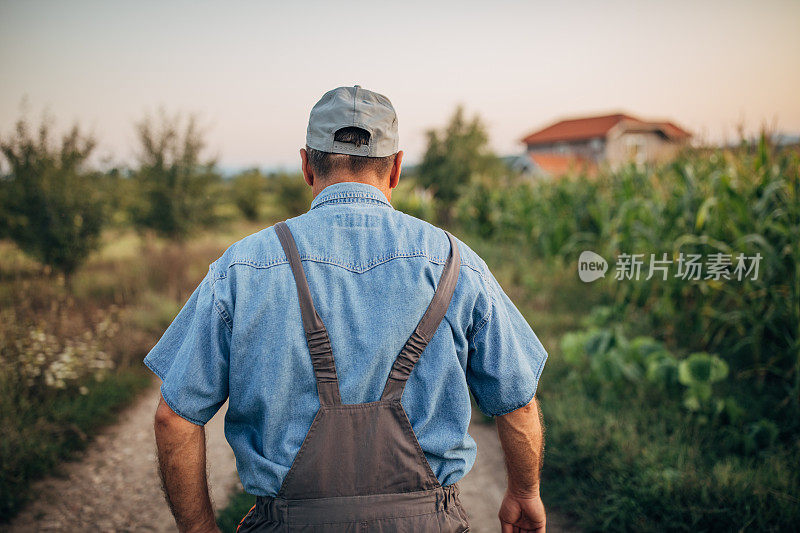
(576, 129)
(579, 129)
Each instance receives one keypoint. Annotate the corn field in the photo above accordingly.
(730, 202)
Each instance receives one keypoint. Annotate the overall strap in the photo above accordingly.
(427, 326)
(319, 345)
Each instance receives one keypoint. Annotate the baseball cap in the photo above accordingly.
(345, 107)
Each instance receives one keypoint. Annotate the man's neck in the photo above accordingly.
(383, 185)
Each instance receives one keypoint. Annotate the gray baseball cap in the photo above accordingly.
(353, 107)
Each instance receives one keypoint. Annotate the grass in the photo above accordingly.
(632, 463)
(624, 466)
(133, 285)
(36, 439)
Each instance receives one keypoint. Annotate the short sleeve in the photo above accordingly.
(192, 357)
(505, 356)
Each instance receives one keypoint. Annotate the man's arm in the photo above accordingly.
(182, 464)
(522, 438)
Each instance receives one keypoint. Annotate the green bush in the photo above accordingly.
(698, 373)
(49, 202)
(414, 200)
(247, 191)
(175, 189)
(629, 456)
(610, 365)
(455, 156)
(291, 193)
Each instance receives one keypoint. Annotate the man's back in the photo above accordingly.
(324, 433)
(372, 272)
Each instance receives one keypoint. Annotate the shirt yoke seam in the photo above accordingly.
(349, 267)
(223, 274)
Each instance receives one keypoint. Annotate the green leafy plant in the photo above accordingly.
(604, 358)
(698, 373)
(760, 435)
(662, 370)
(742, 201)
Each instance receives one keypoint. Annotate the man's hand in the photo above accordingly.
(521, 435)
(521, 514)
(182, 464)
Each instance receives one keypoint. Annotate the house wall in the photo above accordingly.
(591, 149)
(639, 147)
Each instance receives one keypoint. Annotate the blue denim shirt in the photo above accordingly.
(372, 271)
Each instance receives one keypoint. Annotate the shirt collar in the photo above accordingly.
(350, 192)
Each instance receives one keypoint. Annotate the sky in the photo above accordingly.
(251, 71)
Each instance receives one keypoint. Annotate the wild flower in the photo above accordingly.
(41, 358)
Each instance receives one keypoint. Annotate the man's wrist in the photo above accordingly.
(204, 526)
(526, 492)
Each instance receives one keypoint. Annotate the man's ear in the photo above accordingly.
(308, 174)
(394, 175)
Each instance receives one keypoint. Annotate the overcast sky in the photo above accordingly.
(253, 70)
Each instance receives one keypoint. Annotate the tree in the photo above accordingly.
(174, 187)
(292, 193)
(50, 203)
(247, 190)
(454, 157)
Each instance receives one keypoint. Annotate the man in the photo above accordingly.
(347, 341)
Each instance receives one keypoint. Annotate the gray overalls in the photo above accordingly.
(360, 467)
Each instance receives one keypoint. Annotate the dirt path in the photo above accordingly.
(483, 487)
(114, 485)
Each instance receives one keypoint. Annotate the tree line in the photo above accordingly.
(55, 202)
